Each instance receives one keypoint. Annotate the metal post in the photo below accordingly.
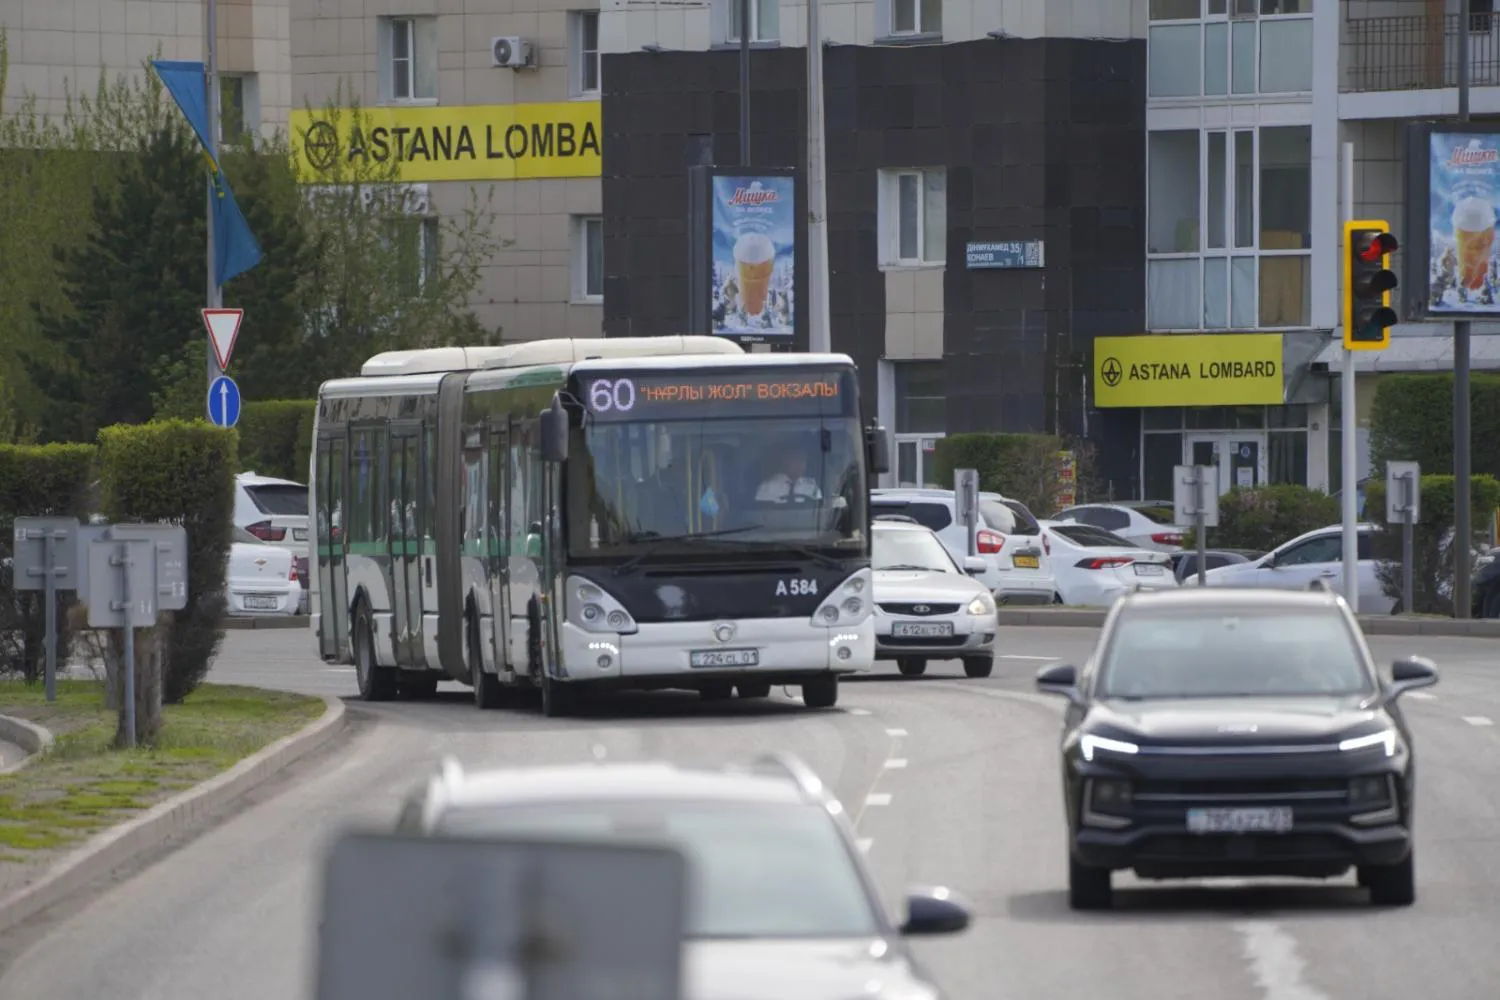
(129, 694)
(1406, 554)
(1463, 531)
(745, 82)
(215, 293)
(1350, 452)
(49, 594)
(818, 335)
(1201, 528)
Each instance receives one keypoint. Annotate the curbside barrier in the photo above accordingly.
(1477, 628)
(269, 621)
(29, 736)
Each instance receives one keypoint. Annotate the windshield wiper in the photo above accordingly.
(658, 540)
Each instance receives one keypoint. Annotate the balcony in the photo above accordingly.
(1418, 52)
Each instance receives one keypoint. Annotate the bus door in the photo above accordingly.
(426, 519)
(406, 543)
(333, 589)
(497, 571)
(553, 573)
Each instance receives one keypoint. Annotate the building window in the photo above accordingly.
(1228, 236)
(1208, 48)
(588, 258)
(415, 241)
(765, 20)
(239, 111)
(913, 210)
(585, 54)
(921, 397)
(916, 17)
(408, 58)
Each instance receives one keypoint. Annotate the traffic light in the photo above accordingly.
(1368, 281)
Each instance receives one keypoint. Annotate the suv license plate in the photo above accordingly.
(922, 630)
(724, 657)
(262, 603)
(1026, 562)
(1149, 569)
(1277, 819)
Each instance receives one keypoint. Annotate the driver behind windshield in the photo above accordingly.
(790, 478)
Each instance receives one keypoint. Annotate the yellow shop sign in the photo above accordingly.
(1215, 369)
(495, 142)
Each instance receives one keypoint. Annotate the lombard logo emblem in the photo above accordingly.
(724, 631)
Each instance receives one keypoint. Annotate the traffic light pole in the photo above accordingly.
(1347, 441)
(1463, 531)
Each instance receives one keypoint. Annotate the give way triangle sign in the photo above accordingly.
(223, 329)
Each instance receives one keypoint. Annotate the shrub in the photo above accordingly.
(1264, 517)
(1432, 548)
(50, 479)
(1024, 467)
(1412, 420)
(179, 472)
(276, 437)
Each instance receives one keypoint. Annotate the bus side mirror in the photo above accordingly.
(555, 432)
(878, 449)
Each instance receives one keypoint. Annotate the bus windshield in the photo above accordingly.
(762, 459)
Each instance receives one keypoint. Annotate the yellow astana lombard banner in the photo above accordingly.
(497, 142)
(1215, 369)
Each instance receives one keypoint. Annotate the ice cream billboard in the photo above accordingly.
(1463, 269)
(754, 248)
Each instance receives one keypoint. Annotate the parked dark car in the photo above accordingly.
(1185, 563)
(1485, 589)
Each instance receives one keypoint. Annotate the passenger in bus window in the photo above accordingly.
(790, 480)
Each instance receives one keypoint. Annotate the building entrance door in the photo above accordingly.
(914, 460)
(1239, 456)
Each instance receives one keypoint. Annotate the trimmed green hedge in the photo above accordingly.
(180, 472)
(1412, 420)
(51, 479)
(276, 437)
(1024, 467)
(1266, 516)
(1432, 559)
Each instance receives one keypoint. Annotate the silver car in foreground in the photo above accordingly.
(926, 607)
(783, 904)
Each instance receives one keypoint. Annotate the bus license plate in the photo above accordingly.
(922, 630)
(1148, 569)
(724, 657)
(1277, 819)
(1026, 562)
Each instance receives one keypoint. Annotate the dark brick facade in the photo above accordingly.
(1041, 138)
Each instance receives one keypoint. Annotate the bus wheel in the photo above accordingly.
(376, 683)
(558, 698)
(821, 692)
(487, 688)
(754, 689)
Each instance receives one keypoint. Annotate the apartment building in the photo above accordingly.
(499, 99)
(61, 47)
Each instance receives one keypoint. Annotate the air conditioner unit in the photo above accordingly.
(510, 52)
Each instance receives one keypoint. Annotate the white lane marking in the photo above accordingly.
(1274, 962)
(864, 844)
(859, 711)
(878, 799)
(1018, 656)
(1421, 696)
(895, 732)
(895, 762)
(1479, 720)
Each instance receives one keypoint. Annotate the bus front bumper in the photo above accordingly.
(774, 650)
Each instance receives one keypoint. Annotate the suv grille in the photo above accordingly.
(918, 609)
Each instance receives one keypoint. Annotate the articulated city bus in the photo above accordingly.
(588, 515)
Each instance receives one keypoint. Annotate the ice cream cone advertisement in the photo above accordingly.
(1465, 188)
(754, 256)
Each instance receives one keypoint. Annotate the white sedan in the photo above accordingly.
(926, 607)
(261, 578)
(1094, 567)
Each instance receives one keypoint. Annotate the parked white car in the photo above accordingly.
(261, 579)
(1316, 555)
(1094, 567)
(276, 512)
(929, 606)
(1147, 524)
(1016, 570)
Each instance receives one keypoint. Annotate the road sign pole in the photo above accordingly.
(1347, 399)
(49, 592)
(123, 561)
(1201, 528)
(211, 88)
(1406, 556)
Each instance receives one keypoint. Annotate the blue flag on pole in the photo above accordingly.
(235, 248)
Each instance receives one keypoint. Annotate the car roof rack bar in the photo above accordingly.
(790, 766)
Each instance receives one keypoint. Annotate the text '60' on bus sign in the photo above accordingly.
(696, 395)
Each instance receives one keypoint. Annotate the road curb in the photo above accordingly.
(1473, 628)
(29, 736)
(121, 844)
(277, 621)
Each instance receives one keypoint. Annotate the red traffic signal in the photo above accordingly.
(1374, 246)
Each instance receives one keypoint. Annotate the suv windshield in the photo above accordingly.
(279, 498)
(906, 548)
(998, 516)
(757, 871)
(1229, 654)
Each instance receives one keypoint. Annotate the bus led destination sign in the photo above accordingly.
(668, 395)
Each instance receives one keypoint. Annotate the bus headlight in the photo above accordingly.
(844, 605)
(594, 610)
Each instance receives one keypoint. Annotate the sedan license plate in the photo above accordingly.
(1149, 569)
(1276, 819)
(1026, 562)
(724, 657)
(299, 534)
(262, 603)
(922, 630)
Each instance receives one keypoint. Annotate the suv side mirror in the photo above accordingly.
(1410, 673)
(878, 450)
(1059, 679)
(554, 431)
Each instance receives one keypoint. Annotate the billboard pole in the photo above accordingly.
(1348, 441)
(818, 336)
(1463, 533)
(745, 82)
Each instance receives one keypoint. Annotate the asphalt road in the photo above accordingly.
(953, 781)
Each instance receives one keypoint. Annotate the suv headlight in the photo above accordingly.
(983, 604)
(592, 609)
(848, 604)
(1385, 739)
